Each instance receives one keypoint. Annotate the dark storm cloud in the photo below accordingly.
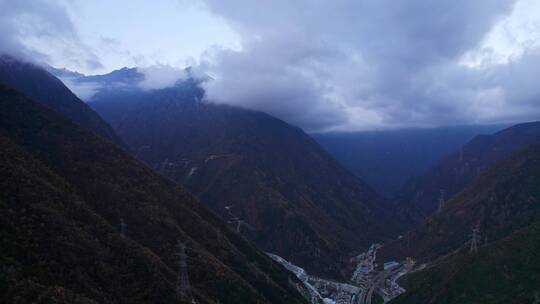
(27, 27)
(372, 63)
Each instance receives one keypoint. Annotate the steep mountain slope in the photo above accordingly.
(501, 200)
(51, 238)
(269, 179)
(389, 158)
(504, 204)
(451, 174)
(38, 84)
(506, 271)
(64, 193)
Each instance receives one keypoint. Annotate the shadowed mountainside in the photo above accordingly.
(504, 204)
(44, 88)
(506, 271)
(387, 159)
(269, 179)
(63, 195)
(419, 198)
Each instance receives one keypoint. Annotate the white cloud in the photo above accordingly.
(40, 30)
(160, 76)
(375, 63)
(322, 65)
(510, 39)
(83, 90)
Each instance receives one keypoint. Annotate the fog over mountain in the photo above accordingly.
(270, 152)
(149, 78)
(28, 28)
(372, 64)
(323, 66)
(387, 159)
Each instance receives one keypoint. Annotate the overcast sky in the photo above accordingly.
(322, 65)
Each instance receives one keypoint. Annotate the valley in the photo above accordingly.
(272, 180)
(211, 145)
(472, 235)
(269, 152)
(368, 280)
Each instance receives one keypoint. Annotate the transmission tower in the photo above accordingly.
(239, 226)
(475, 239)
(183, 288)
(441, 200)
(123, 227)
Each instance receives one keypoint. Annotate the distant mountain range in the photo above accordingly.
(124, 76)
(387, 159)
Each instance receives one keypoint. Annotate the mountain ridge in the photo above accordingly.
(452, 173)
(104, 180)
(296, 200)
(386, 159)
(503, 198)
(37, 83)
(501, 207)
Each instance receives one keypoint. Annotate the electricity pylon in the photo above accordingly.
(123, 227)
(441, 200)
(475, 239)
(183, 288)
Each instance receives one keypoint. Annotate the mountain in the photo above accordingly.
(419, 197)
(506, 271)
(503, 203)
(500, 200)
(124, 76)
(387, 159)
(84, 222)
(269, 179)
(64, 73)
(37, 83)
